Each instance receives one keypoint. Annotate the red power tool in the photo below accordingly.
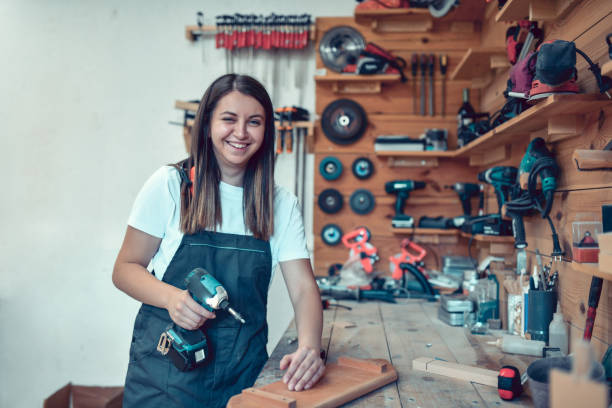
(406, 257)
(357, 242)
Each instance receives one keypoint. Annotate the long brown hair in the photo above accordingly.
(201, 208)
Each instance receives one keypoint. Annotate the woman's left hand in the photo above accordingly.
(305, 368)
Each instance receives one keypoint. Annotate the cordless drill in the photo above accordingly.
(402, 188)
(466, 191)
(188, 349)
(502, 178)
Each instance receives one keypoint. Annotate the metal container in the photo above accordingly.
(456, 303)
(451, 318)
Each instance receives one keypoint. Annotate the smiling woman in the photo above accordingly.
(237, 131)
(235, 223)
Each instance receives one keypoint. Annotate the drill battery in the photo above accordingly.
(187, 349)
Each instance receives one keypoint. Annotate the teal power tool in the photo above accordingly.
(402, 188)
(502, 178)
(188, 349)
(538, 161)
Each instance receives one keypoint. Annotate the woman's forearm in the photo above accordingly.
(139, 283)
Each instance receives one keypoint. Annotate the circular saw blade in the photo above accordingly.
(344, 121)
(341, 46)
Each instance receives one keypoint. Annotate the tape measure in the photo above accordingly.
(509, 384)
(330, 168)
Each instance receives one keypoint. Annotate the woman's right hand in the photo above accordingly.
(186, 312)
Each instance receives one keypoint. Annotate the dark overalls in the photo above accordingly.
(242, 264)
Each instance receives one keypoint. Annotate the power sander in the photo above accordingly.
(402, 188)
(502, 178)
(188, 349)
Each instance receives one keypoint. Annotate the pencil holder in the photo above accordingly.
(542, 305)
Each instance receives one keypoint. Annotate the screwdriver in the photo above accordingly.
(432, 67)
(423, 73)
(443, 67)
(414, 64)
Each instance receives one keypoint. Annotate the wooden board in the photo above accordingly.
(343, 381)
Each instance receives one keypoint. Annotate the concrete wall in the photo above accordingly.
(87, 90)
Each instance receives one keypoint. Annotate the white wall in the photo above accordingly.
(86, 92)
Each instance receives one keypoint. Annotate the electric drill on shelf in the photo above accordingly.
(188, 349)
(402, 188)
(502, 178)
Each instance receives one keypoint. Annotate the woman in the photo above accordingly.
(218, 210)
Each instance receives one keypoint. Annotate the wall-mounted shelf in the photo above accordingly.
(417, 154)
(592, 159)
(353, 83)
(591, 269)
(561, 116)
(488, 238)
(540, 10)
(396, 20)
(478, 64)
(429, 235)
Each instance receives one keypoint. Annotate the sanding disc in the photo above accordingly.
(344, 121)
(362, 201)
(330, 201)
(330, 168)
(341, 46)
(331, 234)
(363, 168)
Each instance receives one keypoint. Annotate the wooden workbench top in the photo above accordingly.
(400, 333)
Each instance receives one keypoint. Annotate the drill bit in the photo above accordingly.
(236, 315)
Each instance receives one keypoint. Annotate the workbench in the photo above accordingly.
(399, 333)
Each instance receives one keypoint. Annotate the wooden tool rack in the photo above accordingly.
(473, 37)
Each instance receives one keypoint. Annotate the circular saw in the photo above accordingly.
(341, 46)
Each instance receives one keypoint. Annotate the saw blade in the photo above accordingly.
(341, 46)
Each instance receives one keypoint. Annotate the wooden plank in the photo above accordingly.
(476, 63)
(513, 10)
(339, 385)
(474, 351)
(367, 339)
(458, 371)
(288, 344)
(253, 397)
(411, 334)
(592, 159)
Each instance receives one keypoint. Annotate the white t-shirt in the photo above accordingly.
(157, 212)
